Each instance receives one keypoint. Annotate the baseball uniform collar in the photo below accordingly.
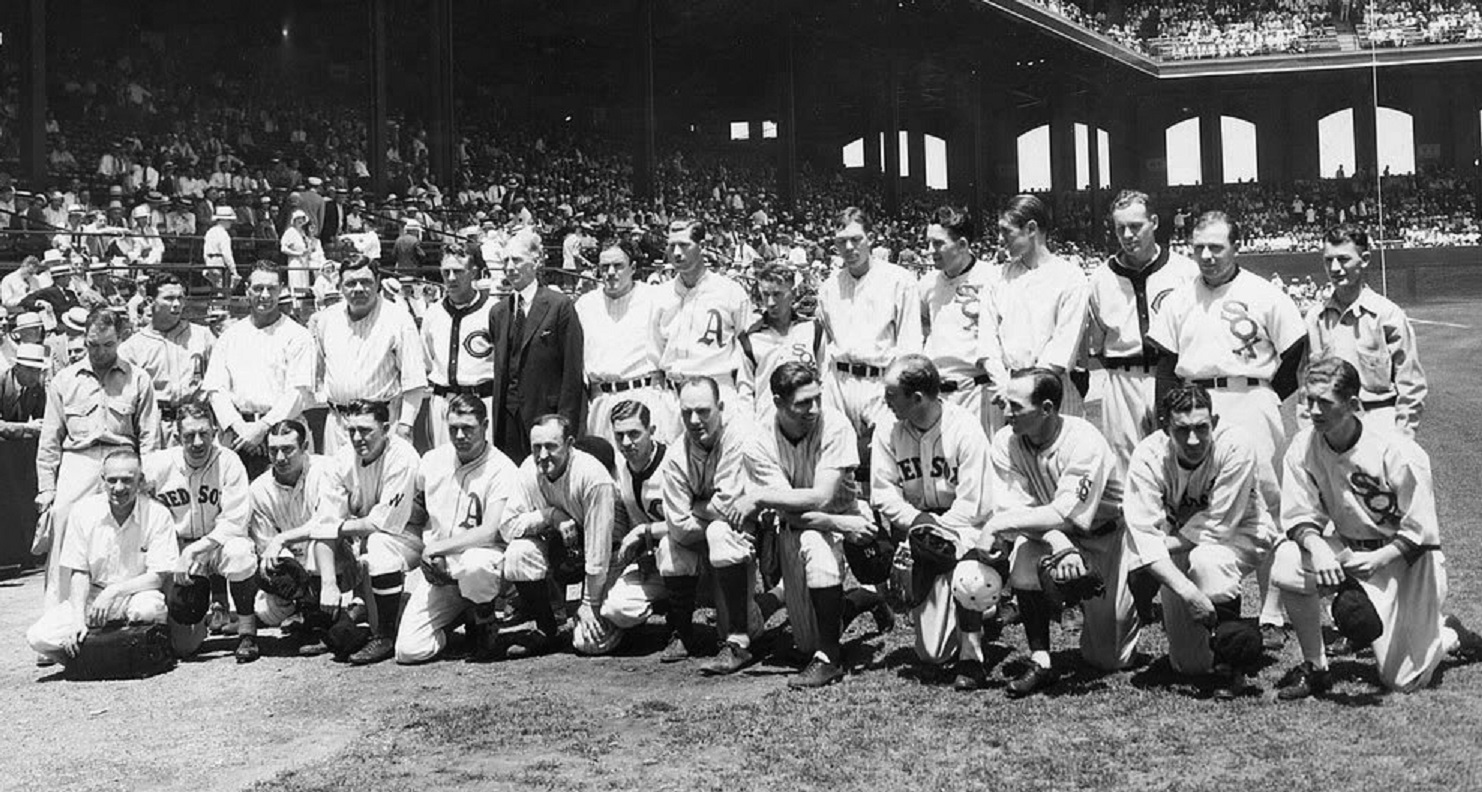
(1360, 303)
(1140, 274)
(455, 311)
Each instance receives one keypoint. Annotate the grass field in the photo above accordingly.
(628, 722)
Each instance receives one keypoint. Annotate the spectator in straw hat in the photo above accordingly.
(25, 279)
(218, 247)
(23, 393)
(408, 249)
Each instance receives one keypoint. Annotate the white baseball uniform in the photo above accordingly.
(1219, 507)
(764, 349)
(633, 592)
(277, 508)
(952, 311)
(942, 470)
(870, 321)
(176, 361)
(252, 370)
(1075, 476)
(584, 492)
(621, 349)
(380, 491)
(1375, 336)
(1377, 492)
(459, 354)
(699, 326)
(210, 501)
(1035, 319)
(455, 497)
(1123, 305)
(378, 357)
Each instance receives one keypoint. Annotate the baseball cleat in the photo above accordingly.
(729, 660)
(1231, 686)
(380, 648)
(1304, 681)
(969, 676)
(313, 649)
(1273, 637)
(1037, 678)
(247, 650)
(884, 618)
(819, 673)
(1469, 644)
(532, 644)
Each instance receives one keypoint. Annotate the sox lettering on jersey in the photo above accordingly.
(1380, 502)
(180, 496)
(940, 469)
(1245, 330)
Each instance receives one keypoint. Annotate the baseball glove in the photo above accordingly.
(189, 603)
(1237, 644)
(871, 561)
(1068, 593)
(133, 651)
(1355, 616)
(932, 555)
(287, 580)
(566, 554)
(435, 572)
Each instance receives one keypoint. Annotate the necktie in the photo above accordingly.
(518, 333)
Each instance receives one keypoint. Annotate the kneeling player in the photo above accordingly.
(639, 517)
(283, 502)
(1062, 503)
(1384, 555)
(462, 488)
(205, 488)
(929, 479)
(1193, 488)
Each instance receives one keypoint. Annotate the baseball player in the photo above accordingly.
(1193, 488)
(456, 344)
(700, 319)
(871, 312)
(1374, 486)
(368, 501)
(640, 518)
(205, 489)
(565, 505)
(621, 348)
(780, 336)
(951, 299)
(1369, 331)
(283, 502)
(1036, 315)
(172, 351)
(929, 474)
(261, 371)
(1125, 299)
(1241, 338)
(801, 466)
(1060, 499)
(702, 476)
(462, 488)
(368, 352)
(117, 553)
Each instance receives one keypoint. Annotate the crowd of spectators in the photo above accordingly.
(1401, 23)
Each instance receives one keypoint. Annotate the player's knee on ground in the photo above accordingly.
(677, 560)
(417, 640)
(147, 607)
(627, 605)
(823, 559)
(272, 611)
(1217, 571)
(479, 572)
(727, 546)
(1024, 563)
(525, 561)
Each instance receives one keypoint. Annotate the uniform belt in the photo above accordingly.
(859, 369)
(250, 417)
(1127, 364)
(1225, 382)
(675, 384)
(169, 410)
(1104, 528)
(952, 386)
(1379, 404)
(621, 386)
(483, 390)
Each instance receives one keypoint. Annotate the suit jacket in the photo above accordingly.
(331, 228)
(539, 373)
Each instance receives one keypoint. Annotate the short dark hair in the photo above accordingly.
(775, 272)
(1186, 398)
(271, 267)
(1047, 386)
(379, 410)
(1128, 198)
(788, 377)
(104, 318)
(631, 408)
(1337, 372)
(356, 262)
(567, 431)
(468, 404)
(956, 221)
(1023, 208)
(694, 225)
(1347, 233)
(153, 286)
(1216, 216)
(290, 427)
(918, 374)
(708, 382)
(853, 214)
(195, 408)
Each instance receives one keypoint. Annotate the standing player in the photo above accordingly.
(172, 351)
(929, 474)
(952, 299)
(261, 371)
(456, 344)
(1037, 312)
(368, 352)
(701, 318)
(1061, 499)
(872, 314)
(1126, 297)
(1193, 488)
(1241, 338)
(462, 488)
(621, 346)
(205, 488)
(779, 337)
(1364, 328)
(1374, 486)
(368, 501)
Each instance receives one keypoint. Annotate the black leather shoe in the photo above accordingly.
(247, 650)
(1304, 681)
(1037, 678)
(970, 676)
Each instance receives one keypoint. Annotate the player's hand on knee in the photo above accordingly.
(1071, 567)
(1201, 609)
(1325, 566)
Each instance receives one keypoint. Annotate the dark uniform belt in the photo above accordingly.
(675, 384)
(1104, 528)
(483, 390)
(1379, 404)
(169, 411)
(250, 417)
(624, 385)
(1135, 363)
(1225, 382)
(860, 369)
(952, 386)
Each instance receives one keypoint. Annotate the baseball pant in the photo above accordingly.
(1408, 597)
(861, 399)
(59, 623)
(1257, 411)
(810, 560)
(431, 609)
(1110, 626)
(235, 560)
(722, 547)
(78, 475)
(437, 418)
(938, 638)
(978, 400)
(1128, 410)
(1217, 570)
(629, 603)
(660, 407)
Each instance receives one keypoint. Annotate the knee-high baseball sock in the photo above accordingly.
(732, 582)
(386, 588)
(1034, 612)
(1271, 597)
(1227, 611)
(1306, 613)
(859, 601)
(218, 590)
(537, 598)
(681, 615)
(828, 603)
(244, 594)
(970, 633)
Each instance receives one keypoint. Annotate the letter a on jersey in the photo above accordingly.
(714, 335)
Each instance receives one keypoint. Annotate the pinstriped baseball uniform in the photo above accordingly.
(621, 344)
(1124, 303)
(175, 361)
(207, 501)
(1375, 336)
(459, 352)
(254, 367)
(277, 508)
(381, 491)
(870, 320)
(952, 310)
(1035, 318)
(378, 357)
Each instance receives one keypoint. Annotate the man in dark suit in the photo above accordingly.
(537, 342)
(334, 213)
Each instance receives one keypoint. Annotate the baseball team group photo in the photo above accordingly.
(419, 395)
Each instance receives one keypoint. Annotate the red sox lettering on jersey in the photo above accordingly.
(209, 500)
